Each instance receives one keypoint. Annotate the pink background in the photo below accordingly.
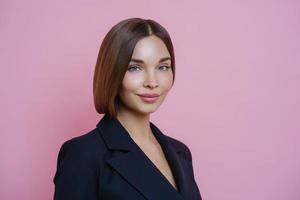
(236, 93)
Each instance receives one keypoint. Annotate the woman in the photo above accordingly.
(126, 156)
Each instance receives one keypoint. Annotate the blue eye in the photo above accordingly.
(133, 68)
(166, 67)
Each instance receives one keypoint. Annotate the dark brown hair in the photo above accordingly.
(114, 56)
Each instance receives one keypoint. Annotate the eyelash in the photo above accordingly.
(133, 66)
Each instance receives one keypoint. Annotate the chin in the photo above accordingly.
(144, 110)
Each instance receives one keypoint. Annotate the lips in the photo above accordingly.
(149, 98)
(149, 95)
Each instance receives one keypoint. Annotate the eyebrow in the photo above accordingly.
(141, 61)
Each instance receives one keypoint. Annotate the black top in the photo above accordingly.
(106, 164)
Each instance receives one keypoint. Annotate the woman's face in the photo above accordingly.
(149, 72)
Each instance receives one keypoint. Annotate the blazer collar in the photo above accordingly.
(117, 137)
(136, 168)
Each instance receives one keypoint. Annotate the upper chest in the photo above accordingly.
(155, 154)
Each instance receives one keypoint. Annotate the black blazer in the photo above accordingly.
(106, 164)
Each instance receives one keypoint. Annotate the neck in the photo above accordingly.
(138, 126)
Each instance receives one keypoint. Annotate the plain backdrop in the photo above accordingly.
(236, 93)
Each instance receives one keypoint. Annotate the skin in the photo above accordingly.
(150, 77)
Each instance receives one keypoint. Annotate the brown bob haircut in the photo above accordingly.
(114, 56)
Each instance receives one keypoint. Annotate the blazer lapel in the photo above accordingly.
(175, 160)
(134, 166)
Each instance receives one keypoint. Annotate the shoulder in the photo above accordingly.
(78, 165)
(85, 142)
(180, 146)
(86, 148)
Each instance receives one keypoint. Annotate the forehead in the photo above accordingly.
(150, 49)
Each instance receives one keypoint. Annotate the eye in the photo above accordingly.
(133, 68)
(165, 67)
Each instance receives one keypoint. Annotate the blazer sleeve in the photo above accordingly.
(190, 158)
(196, 190)
(75, 177)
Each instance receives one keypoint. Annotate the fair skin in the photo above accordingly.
(151, 76)
(149, 71)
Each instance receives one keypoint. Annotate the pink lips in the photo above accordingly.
(150, 95)
(149, 98)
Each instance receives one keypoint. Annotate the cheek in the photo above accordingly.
(167, 80)
(131, 81)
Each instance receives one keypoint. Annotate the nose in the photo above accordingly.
(150, 81)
